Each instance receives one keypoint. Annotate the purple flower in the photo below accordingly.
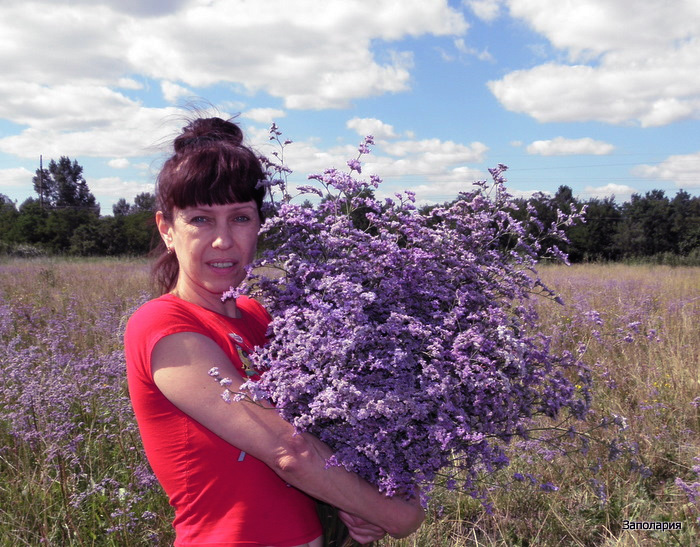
(403, 339)
(355, 165)
(364, 147)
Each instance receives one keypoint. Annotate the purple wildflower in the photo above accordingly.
(402, 338)
(355, 165)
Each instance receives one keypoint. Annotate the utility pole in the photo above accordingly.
(41, 181)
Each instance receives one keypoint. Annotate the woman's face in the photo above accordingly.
(213, 244)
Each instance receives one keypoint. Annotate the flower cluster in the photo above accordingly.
(67, 429)
(402, 336)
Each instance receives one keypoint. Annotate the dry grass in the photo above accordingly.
(644, 350)
(643, 346)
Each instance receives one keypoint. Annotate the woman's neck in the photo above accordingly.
(209, 302)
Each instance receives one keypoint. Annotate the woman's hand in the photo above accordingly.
(409, 516)
(413, 516)
(361, 530)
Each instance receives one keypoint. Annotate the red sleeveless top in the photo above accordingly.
(221, 496)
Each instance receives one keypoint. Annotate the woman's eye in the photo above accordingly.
(198, 220)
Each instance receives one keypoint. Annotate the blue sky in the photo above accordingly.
(599, 95)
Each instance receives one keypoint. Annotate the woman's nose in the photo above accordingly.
(223, 239)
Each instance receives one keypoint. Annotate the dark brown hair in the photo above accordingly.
(210, 166)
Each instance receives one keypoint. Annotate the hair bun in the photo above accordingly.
(202, 131)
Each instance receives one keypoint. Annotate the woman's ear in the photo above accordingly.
(165, 229)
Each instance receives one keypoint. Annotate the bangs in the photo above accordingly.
(213, 176)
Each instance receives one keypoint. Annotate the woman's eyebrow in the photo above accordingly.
(207, 208)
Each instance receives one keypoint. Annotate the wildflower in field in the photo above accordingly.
(692, 490)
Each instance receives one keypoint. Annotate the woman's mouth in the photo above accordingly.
(221, 265)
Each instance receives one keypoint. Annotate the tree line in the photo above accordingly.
(64, 218)
(650, 227)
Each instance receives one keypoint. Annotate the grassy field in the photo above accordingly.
(72, 471)
(637, 327)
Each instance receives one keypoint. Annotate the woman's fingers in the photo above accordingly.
(361, 530)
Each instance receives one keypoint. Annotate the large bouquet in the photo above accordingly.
(402, 337)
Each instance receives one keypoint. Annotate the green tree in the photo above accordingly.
(31, 223)
(62, 185)
(594, 240)
(563, 199)
(685, 222)
(132, 230)
(61, 225)
(8, 218)
(144, 202)
(540, 212)
(140, 233)
(646, 226)
(121, 208)
(85, 240)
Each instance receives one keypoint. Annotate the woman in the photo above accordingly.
(236, 474)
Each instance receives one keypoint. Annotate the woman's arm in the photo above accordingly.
(180, 364)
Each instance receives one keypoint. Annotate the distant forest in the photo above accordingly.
(64, 219)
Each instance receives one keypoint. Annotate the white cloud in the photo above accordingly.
(111, 189)
(64, 107)
(303, 157)
(16, 178)
(487, 10)
(434, 169)
(617, 95)
(174, 92)
(16, 183)
(447, 185)
(561, 146)
(138, 7)
(625, 66)
(117, 187)
(438, 165)
(264, 115)
(128, 83)
(664, 111)
(462, 47)
(125, 131)
(51, 43)
(435, 151)
(313, 55)
(620, 192)
(335, 87)
(372, 126)
(72, 95)
(683, 170)
(589, 28)
(119, 163)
